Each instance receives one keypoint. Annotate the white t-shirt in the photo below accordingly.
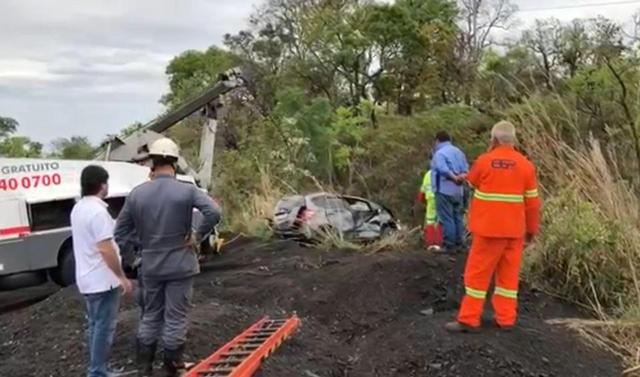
(91, 224)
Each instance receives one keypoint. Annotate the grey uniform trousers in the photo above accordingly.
(166, 305)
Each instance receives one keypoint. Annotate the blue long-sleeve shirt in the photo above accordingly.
(447, 160)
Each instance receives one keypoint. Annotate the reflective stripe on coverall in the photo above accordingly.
(504, 208)
(430, 200)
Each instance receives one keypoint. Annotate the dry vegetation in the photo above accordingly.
(589, 250)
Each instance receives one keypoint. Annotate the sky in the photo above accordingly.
(92, 67)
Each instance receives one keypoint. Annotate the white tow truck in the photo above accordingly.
(37, 195)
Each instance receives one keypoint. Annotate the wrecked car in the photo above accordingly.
(309, 217)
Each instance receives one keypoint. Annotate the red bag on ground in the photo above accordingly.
(433, 235)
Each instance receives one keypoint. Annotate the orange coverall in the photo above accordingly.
(505, 207)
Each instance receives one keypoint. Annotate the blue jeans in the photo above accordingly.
(102, 316)
(450, 214)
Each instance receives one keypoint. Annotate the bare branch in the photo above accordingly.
(481, 18)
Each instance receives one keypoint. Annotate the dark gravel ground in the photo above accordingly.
(361, 317)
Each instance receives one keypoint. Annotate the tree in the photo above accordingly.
(193, 71)
(7, 126)
(607, 40)
(574, 47)
(74, 148)
(479, 18)
(16, 146)
(414, 40)
(508, 78)
(20, 147)
(543, 41)
(635, 28)
(318, 44)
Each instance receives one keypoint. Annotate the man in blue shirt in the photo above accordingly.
(449, 169)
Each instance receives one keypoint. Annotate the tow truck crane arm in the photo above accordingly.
(134, 147)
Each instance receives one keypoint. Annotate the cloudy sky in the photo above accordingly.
(91, 67)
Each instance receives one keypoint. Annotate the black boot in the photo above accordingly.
(173, 363)
(144, 358)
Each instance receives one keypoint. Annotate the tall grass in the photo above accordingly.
(255, 212)
(589, 248)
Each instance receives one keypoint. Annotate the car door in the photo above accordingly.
(361, 210)
(337, 215)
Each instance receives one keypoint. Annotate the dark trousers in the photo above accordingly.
(450, 214)
(166, 305)
(102, 317)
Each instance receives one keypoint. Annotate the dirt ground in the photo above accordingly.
(363, 316)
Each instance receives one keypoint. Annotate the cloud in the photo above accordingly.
(98, 64)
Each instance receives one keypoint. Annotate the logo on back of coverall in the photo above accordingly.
(503, 164)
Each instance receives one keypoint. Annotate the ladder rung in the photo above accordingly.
(222, 370)
(228, 360)
(236, 353)
(246, 346)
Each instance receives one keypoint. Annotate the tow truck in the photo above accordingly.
(37, 195)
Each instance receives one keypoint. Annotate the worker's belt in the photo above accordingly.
(496, 197)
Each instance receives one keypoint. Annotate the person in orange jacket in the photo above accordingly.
(504, 215)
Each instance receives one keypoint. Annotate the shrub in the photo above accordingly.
(581, 255)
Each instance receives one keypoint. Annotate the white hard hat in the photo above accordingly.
(164, 147)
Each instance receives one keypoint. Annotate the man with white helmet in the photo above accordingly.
(160, 214)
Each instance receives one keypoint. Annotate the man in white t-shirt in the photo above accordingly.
(99, 273)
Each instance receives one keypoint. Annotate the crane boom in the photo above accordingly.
(227, 82)
(134, 147)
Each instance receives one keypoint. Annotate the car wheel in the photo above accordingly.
(65, 274)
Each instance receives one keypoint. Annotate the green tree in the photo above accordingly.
(508, 78)
(74, 148)
(7, 126)
(16, 146)
(193, 71)
(20, 147)
(413, 40)
(574, 47)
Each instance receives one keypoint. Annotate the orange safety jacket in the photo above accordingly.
(505, 202)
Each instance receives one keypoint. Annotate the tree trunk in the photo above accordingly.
(404, 106)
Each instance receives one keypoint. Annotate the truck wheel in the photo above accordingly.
(65, 274)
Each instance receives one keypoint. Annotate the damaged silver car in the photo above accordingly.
(308, 217)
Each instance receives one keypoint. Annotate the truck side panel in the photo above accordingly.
(12, 257)
(36, 252)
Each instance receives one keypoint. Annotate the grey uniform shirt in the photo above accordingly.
(160, 213)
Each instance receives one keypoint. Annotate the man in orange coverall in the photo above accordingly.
(504, 214)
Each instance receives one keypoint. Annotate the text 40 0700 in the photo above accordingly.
(32, 181)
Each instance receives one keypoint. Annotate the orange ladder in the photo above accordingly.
(242, 356)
